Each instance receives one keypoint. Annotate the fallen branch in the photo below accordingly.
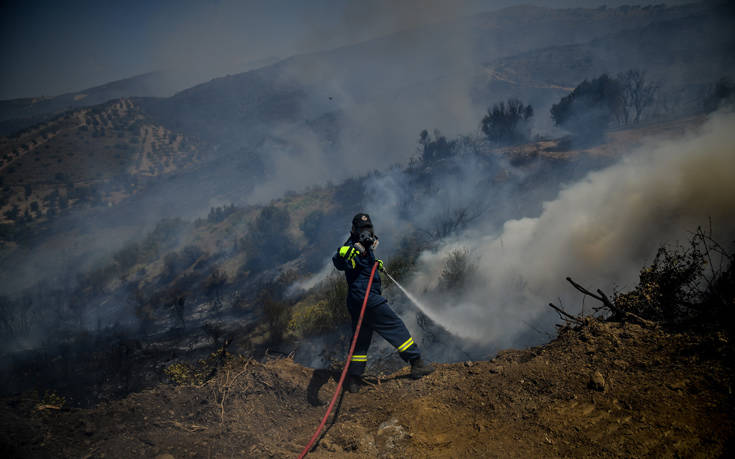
(48, 407)
(565, 315)
(228, 384)
(636, 318)
(606, 301)
(602, 298)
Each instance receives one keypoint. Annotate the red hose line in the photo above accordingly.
(344, 371)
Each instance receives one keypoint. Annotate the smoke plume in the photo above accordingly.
(600, 231)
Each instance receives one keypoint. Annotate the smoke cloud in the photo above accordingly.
(600, 231)
(354, 110)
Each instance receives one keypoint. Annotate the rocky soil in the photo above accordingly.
(600, 389)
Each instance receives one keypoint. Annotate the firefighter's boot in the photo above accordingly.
(354, 383)
(419, 368)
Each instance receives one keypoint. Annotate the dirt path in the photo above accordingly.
(659, 395)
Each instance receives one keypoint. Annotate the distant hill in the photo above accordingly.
(220, 140)
(90, 156)
(411, 68)
(370, 100)
(18, 113)
(684, 51)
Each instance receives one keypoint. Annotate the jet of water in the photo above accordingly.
(450, 327)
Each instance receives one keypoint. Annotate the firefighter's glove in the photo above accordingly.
(380, 265)
(348, 253)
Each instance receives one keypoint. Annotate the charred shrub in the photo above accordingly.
(458, 270)
(276, 310)
(214, 283)
(434, 148)
(690, 285)
(667, 290)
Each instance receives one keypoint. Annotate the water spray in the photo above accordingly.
(410, 296)
(442, 321)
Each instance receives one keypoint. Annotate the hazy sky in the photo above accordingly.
(50, 47)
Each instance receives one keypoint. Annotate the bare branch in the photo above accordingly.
(565, 315)
(607, 304)
(606, 301)
(601, 297)
(584, 290)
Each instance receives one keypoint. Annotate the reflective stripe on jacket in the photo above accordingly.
(358, 277)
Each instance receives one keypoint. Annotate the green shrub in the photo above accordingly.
(199, 372)
(184, 374)
(590, 107)
(321, 311)
(507, 122)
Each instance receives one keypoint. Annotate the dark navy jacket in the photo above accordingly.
(358, 278)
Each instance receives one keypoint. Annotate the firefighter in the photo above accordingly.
(356, 259)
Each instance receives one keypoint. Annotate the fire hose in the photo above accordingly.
(344, 371)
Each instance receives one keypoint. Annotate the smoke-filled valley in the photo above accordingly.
(155, 234)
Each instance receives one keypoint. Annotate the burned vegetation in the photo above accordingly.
(688, 288)
(621, 386)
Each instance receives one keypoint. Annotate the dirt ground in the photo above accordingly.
(601, 389)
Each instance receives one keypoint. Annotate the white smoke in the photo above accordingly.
(600, 231)
(304, 285)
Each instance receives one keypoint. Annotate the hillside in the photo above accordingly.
(231, 140)
(671, 51)
(415, 72)
(659, 394)
(18, 114)
(254, 276)
(167, 286)
(89, 157)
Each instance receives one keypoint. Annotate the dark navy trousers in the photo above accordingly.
(383, 320)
